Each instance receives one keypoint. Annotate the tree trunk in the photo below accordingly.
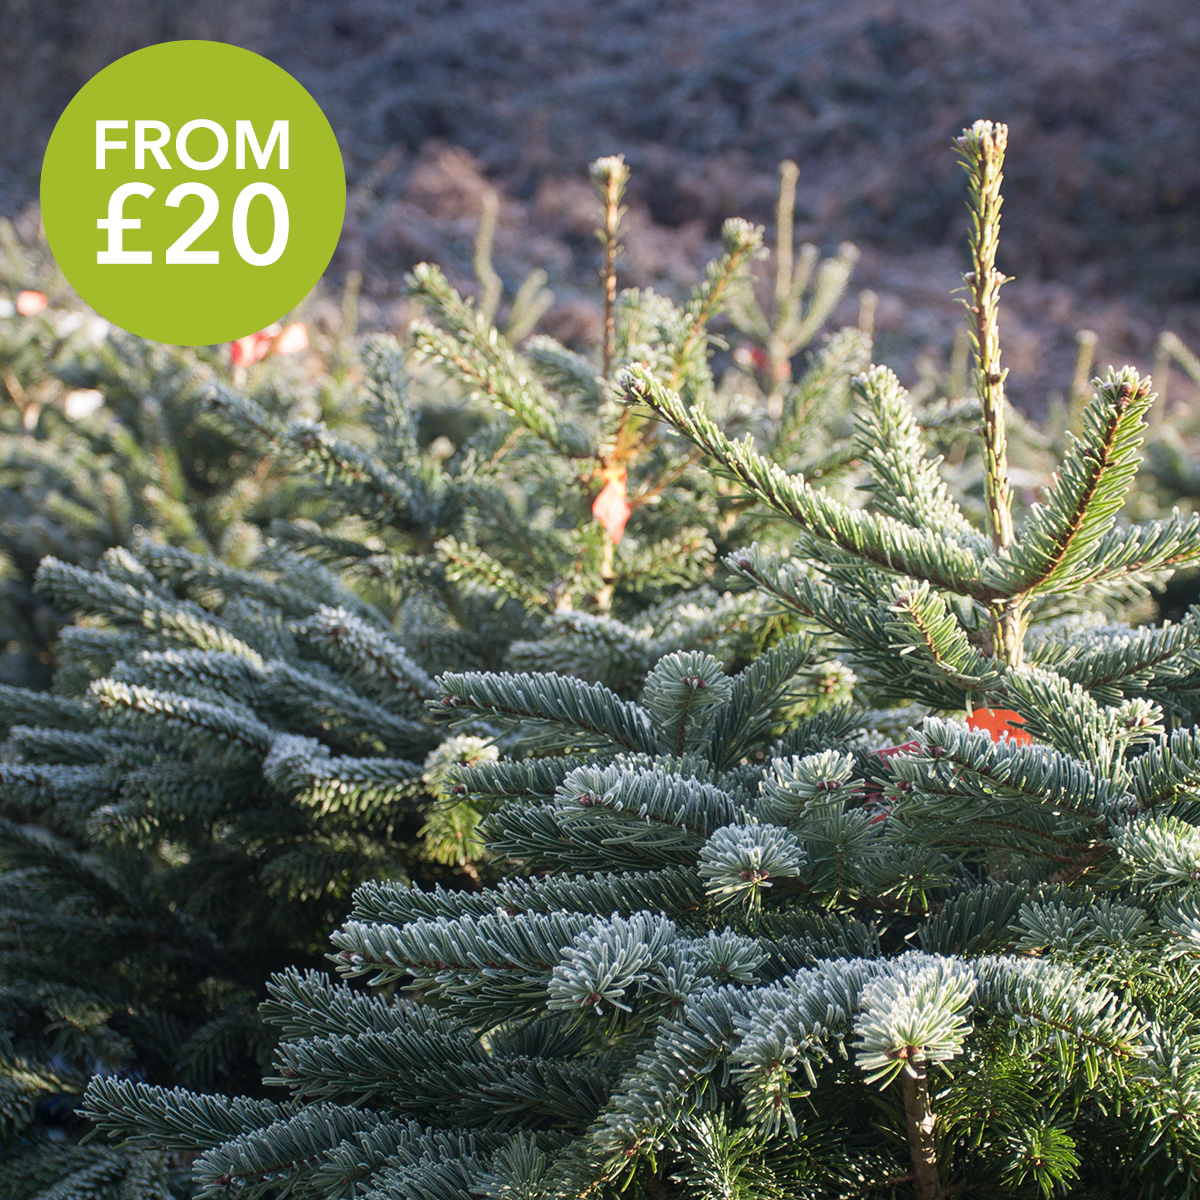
(921, 1145)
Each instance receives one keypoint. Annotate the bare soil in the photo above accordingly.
(434, 103)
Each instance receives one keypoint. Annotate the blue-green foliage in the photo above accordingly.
(750, 946)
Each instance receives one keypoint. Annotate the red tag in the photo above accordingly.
(890, 751)
(756, 359)
(611, 507)
(1000, 722)
(29, 304)
(273, 339)
(253, 346)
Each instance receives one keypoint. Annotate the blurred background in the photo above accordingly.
(437, 104)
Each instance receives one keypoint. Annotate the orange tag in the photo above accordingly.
(611, 507)
(1000, 722)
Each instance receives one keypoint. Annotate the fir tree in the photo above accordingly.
(611, 460)
(106, 438)
(744, 954)
(230, 748)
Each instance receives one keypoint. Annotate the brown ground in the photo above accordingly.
(434, 102)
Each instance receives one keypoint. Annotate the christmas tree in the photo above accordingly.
(231, 747)
(742, 952)
(106, 438)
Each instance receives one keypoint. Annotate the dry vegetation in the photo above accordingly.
(436, 102)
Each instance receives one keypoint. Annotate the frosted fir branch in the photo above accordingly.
(314, 445)
(1148, 552)
(652, 796)
(673, 889)
(1056, 546)
(363, 1160)
(302, 769)
(24, 706)
(963, 758)
(97, 594)
(741, 243)
(258, 1161)
(1067, 716)
(1169, 771)
(366, 652)
(305, 1003)
(1115, 660)
(738, 862)
(386, 379)
(55, 746)
(609, 963)
(590, 646)
(473, 565)
(786, 581)
(197, 721)
(912, 1013)
(794, 783)
(194, 672)
(981, 150)
(682, 697)
(879, 540)
(905, 483)
(174, 1118)
(527, 780)
(287, 582)
(1160, 852)
(341, 713)
(927, 631)
(564, 371)
(1028, 801)
(889, 646)
(473, 352)
(567, 709)
(553, 837)
(759, 695)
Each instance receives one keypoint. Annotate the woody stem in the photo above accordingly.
(920, 1120)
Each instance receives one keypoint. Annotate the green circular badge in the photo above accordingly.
(193, 192)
